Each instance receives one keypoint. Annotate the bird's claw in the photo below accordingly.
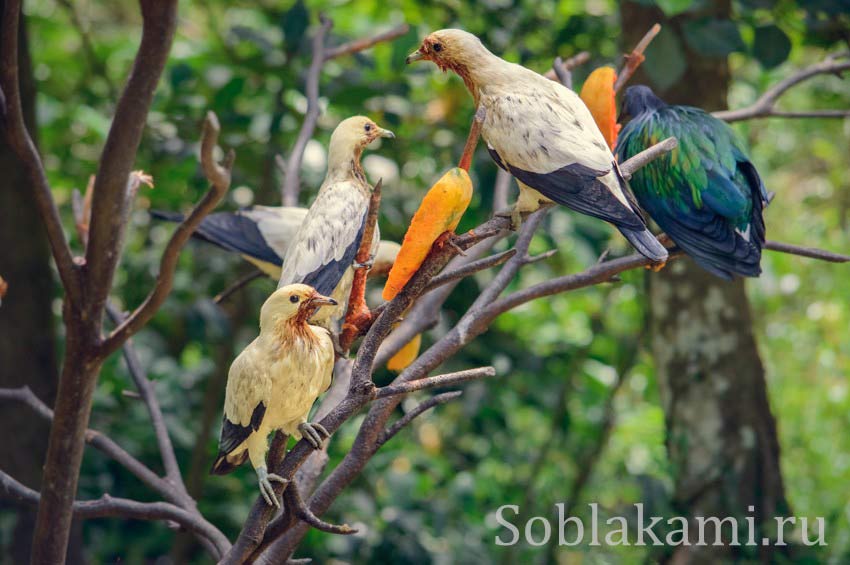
(366, 264)
(313, 433)
(512, 214)
(265, 479)
(655, 267)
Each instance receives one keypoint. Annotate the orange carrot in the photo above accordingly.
(440, 211)
(598, 94)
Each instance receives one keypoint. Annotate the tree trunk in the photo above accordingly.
(27, 336)
(721, 435)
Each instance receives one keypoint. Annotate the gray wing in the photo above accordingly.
(328, 239)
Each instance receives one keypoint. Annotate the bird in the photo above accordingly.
(274, 382)
(323, 249)
(705, 194)
(262, 234)
(543, 134)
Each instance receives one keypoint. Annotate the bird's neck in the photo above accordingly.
(344, 163)
(482, 70)
(291, 332)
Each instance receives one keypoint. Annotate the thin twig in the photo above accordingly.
(648, 155)
(569, 64)
(108, 506)
(765, 105)
(292, 179)
(365, 43)
(449, 379)
(470, 269)
(237, 285)
(635, 58)
(219, 178)
(563, 74)
(811, 252)
(419, 409)
(295, 504)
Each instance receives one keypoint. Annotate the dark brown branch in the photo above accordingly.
(420, 408)
(15, 130)
(219, 177)
(365, 43)
(635, 58)
(648, 155)
(237, 285)
(148, 396)
(449, 379)
(765, 106)
(470, 269)
(109, 507)
(292, 179)
(811, 252)
(295, 504)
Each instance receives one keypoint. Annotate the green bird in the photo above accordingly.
(706, 194)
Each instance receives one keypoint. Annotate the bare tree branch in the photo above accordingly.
(470, 268)
(15, 130)
(365, 43)
(107, 507)
(765, 106)
(238, 285)
(449, 379)
(568, 65)
(635, 58)
(421, 408)
(296, 505)
(292, 178)
(219, 177)
(648, 155)
(811, 252)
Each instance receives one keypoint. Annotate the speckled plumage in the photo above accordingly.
(544, 135)
(705, 194)
(276, 379)
(323, 249)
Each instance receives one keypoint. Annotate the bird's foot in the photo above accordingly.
(313, 433)
(655, 267)
(512, 214)
(366, 264)
(266, 488)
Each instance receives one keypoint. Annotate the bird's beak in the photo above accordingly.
(320, 300)
(385, 133)
(415, 56)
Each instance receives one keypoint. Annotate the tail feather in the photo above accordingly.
(646, 244)
(223, 466)
(167, 215)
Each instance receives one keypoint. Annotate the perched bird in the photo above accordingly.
(543, 134)
(322, 252)
(706, 194)
(274, 382)
(262, 234)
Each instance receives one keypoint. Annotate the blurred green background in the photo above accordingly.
(549, 428)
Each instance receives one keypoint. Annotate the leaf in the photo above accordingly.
(294, 24)
(713, 37)
(771, 46)
(665, 60)
(675, 7)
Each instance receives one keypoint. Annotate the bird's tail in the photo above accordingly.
(222, 465)
(167, 216)
(646, 244)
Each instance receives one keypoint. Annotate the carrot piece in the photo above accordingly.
(598, 94)
(440, 211)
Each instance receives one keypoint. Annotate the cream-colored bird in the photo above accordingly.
(262, 234)
(322, 252)
(274, 382)
(543, 134)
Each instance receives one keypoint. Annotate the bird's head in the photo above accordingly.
(357, 132)
(637, 100)
(451, 49)
(292, 303)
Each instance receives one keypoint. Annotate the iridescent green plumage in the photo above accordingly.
(705, 194)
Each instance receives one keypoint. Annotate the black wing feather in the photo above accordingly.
(232, 435)
(327, 277)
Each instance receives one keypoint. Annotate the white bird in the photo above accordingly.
(543, 134)
(322, 252)
(262, 234)
(274, 382)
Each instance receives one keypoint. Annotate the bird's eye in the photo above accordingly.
(294, 298)
(438, 47)
(368, 127)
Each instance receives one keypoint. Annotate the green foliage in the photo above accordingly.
(430, 494)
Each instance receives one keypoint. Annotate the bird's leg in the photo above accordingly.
(512, 214)
(366, 264)
(314, 433)
(265, 480)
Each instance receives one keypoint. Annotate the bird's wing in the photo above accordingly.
(328, 239)
(705, 194)
(246, 398)
(546, 137)
(278, 225)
